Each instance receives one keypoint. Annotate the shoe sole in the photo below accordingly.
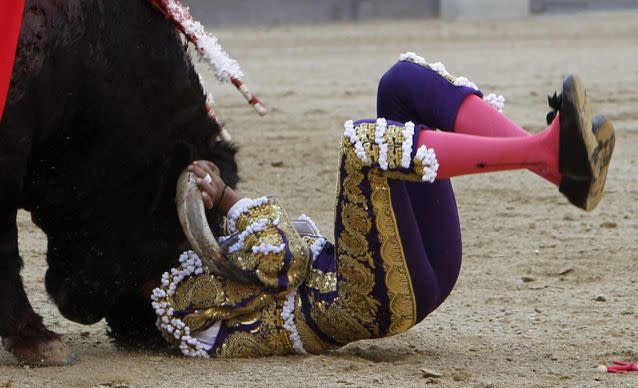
(577, 141)
(586, 194)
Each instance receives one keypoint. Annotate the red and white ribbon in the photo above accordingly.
(226, 69)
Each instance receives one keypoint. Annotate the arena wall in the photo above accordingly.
(278, 12)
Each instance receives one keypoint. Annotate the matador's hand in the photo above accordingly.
(209, 181)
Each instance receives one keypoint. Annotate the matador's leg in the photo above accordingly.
(417, 269)
(413, 90)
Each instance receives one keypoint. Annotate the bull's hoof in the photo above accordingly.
(38, 351)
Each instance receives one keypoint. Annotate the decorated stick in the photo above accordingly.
(250, 97)
(226, 69)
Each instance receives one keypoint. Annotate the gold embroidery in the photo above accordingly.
(352, 314)
(310, 340)
(214, 298)
(356, 219)
(240, 305)
(268, 339)
(365, 132)
(394, 139)
(353, 243)
(268, 267)
(397, 278)
(254, 214)
(352, 180)
(324, 282)
(244, 320)
(245, 260)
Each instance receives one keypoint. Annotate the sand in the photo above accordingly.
(546, 292)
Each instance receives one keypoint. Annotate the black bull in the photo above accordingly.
(104, 111)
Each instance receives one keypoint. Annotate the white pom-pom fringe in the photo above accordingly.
(351, 135)
(413, 57)
(288, 316)
(316, 248)
(243, 206)
(379, 139)
(190, 264)
(426, 158)
(408, 134)
(462, 81)
(498, 102)
(266, 249)
(255, 227)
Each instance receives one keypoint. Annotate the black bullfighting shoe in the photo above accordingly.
(585, 147)
(586, 193)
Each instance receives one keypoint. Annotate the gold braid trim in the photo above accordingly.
(394, 139)
(311, 341)
(352, 315)
(269, 338)
(268, 267)
(401, 296)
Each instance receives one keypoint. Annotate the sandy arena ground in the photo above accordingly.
(546, 293)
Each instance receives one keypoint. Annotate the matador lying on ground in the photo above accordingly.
(281, 288)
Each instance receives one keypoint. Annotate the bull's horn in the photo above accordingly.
(192, 217)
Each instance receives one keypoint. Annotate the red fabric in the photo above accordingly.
(622, 367)
(460, 154)
(476, 117)
(10, 22)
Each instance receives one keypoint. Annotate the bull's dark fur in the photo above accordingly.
(105, 109)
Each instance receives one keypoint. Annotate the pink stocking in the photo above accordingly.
(461, 154)
(476, 117)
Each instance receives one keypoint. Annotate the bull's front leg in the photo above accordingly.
(21, 329)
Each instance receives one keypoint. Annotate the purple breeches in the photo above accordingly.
(426, 213)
